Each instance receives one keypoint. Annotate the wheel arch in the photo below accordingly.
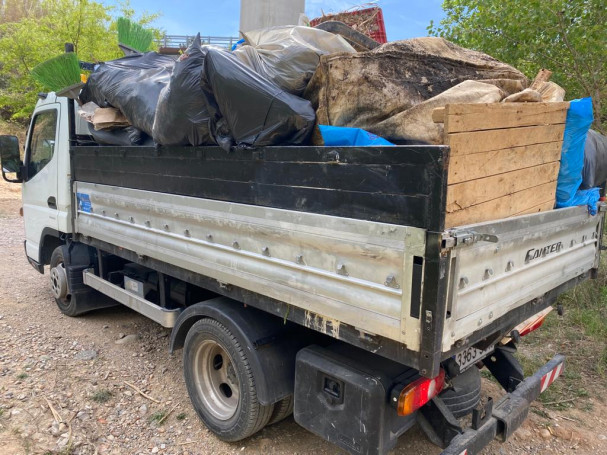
(49, 240)
(269, 345)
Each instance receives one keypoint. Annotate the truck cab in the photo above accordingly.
(45, 178)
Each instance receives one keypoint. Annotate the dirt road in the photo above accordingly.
(81, 371)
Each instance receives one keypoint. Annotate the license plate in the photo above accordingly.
(469, 356)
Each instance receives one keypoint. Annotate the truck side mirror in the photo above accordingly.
(10, 159)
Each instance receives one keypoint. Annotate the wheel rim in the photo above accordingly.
(216, 380)
(59, 283)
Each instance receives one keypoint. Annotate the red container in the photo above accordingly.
(369, 21)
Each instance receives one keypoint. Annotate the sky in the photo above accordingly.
(403, 18)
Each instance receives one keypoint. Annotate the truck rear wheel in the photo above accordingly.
(282, 410)
(220, 382)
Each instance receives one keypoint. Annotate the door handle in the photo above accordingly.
(52, 202)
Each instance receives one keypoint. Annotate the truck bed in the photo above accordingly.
(286, 233)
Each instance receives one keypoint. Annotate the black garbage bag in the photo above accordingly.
(131, 84)
(181, 115)
(247, 109)
(125, 136)
(594, 172)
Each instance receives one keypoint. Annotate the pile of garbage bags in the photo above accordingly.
(249, 97)
(281, 82)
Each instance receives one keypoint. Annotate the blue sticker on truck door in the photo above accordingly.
(84, 203)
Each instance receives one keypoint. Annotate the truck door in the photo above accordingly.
(39, 189)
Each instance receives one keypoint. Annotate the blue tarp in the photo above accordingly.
(335, 136)
(568, 194)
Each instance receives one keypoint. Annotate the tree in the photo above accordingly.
(37, 30)
(568, 37)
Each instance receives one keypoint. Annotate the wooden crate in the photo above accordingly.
(504, 159)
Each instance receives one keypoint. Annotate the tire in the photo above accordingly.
(282, 410)
(220, 382)
(66, 302)
(464, 394)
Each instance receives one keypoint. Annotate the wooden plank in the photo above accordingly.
(543, 75)
(438, 115)
(484, 141)
(543, 207)
(463, 195)
(478, 117)
(503, 207)
(463, 168)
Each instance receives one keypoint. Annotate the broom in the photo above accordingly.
(58, 73)
(133, 36)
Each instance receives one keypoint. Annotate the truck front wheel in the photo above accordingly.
(59, 284)
(220, 382)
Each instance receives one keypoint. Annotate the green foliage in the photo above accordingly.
(102, 396)
(158, 417)
(58, 72)
(134, 35)
(567, 37)
(29, 36)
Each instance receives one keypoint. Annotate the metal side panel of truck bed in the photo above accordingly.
(369, 275)
(349, 271)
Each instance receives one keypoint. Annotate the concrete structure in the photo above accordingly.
(256, 14)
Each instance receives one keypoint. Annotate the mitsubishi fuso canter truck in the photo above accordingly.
(318, 281)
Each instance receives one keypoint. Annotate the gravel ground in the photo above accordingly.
(71, 385)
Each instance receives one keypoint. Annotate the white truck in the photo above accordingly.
(314, 280)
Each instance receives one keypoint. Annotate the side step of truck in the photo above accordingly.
(162, 316)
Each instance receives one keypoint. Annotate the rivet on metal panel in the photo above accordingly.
(584, 238)
(428, 317)
(391, 282)
(265, 251)
(116, 215)
(488, 274)
(299, 259)
(186, 233)
(572, 243)
(497, 249)
(131, 219)
(141, 257)
(452, 334)
(341, 269)
(209, 238)
(463, 282)
(166, 227)
(235, 245)
(491, 315)
(459, 343)
(103, 212)
(148, 223)
(423, 371)
(480, 322)
(509, 266)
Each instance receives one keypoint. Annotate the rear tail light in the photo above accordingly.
(419, 392)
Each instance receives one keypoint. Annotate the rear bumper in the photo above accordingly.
(508, 413)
